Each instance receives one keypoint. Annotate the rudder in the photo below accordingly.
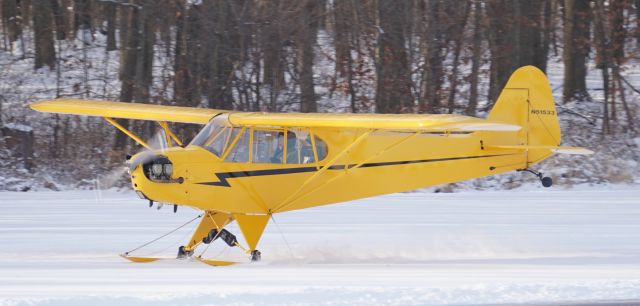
(526, 100)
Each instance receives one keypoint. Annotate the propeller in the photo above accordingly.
(110, 179)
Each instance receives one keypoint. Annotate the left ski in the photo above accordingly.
(215, 263)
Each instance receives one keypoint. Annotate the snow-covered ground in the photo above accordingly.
(551, 246)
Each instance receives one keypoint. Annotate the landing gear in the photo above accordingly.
(184, 253)
(256, 255)
(213, 234)
(211, 228)
(226, 236)
(545, 180)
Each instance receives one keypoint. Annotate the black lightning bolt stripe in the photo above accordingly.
(223, 177)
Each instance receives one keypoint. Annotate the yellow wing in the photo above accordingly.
(153, 112)
(372, 121)
(109, 109)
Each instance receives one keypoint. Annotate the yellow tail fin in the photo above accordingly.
(526, 100)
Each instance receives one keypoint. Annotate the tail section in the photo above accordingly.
(526, 100)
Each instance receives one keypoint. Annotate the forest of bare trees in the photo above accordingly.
(385, 56)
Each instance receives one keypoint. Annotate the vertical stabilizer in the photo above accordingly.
(527, 101)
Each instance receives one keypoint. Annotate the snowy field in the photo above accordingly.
(532, 247)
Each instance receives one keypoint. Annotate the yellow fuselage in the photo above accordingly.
(381, 162)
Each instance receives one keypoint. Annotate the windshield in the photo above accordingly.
(215, 136)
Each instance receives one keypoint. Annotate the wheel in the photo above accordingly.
(256, 255)
(546, 181)
(210, 237)
(182, 253)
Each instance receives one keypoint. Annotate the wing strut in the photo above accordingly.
(129, 133)
(170, 135)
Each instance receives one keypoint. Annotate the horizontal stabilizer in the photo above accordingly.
(555, 149)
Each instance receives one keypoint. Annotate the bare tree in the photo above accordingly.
(11, 19)
(576, 48)
(393, 88)
(475, 59)
(305, 38)
(43, 34)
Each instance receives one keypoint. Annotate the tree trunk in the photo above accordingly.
(576, 48)
(111, 10)
(457, 36)
(43, 35)
(503, 43)
(545, 35)
(433, 48)
(393, 87)
(144, 40)
(305, 41)
(602, 42)
(475, 60)
(515, 39)
(617, 29)
(625, 105)
(271, 45)
(11, 18)
(58, 17)
(82, 18)
(341, 41)
(128, 64)
(223, 49)
(638, 23)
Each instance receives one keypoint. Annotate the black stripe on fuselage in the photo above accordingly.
(224, 176)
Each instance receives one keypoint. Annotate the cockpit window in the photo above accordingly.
(240, 151)
(267, 146)
(300, 148)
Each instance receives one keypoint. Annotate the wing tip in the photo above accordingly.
(39, 105)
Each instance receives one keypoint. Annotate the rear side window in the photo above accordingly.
(300, 148)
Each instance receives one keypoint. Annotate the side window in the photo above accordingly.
(240, 151)
(300, 148)
(321, 148)
(268, 146)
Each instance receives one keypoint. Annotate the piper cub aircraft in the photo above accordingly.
(247, 166)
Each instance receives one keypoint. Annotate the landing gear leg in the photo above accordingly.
(252, 227)
(211, 228)
(208, 229)
(545, 180)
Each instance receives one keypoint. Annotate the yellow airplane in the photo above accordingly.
(246, 166)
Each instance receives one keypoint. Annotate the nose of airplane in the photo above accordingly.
(154, 176)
